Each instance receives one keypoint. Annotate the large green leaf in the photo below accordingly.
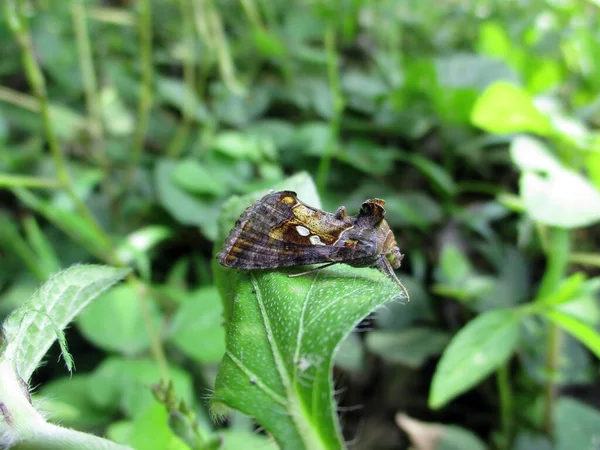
(584, 332)
(282, 336)
(30, 330)
(477, 349)
(577, 425)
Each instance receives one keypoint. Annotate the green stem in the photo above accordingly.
(36, 80)
(156, 346)
(506, 405)
(88, 74)
(589, 259)
(145, 103)
(189, 77)
(558, 260)
(11, 181)
(338, 109)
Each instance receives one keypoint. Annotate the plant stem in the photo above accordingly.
(11, 181)
(590, 259)
(145, 103)
(88, 74)
(189, 76)
(338, 109)
(506, 405)
(26, 429)
(558, 260)
(36, 80)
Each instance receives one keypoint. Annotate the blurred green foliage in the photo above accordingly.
(127, 126)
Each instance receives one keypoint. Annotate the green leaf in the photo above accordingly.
(280, 345)
(411, 347)
(566, 292)
(477, 349)
(553, 194)
(577, 425)
(67, 401)
(454, 265)
(506, 108)
(151, 431)
(579, 329)
(195, 178)
(120, 384)
(116, 321)
(197, 329)
(184, 207)
(30, 330)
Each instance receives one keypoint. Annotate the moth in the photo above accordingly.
(281, 231)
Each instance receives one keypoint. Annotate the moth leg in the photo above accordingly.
(384, 265)
(295, 275)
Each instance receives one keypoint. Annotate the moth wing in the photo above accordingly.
(276, 231)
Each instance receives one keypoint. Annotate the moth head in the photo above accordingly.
(371, 213)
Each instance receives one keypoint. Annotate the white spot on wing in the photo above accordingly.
(315, 240)
(302, 231)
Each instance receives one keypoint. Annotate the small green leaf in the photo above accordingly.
(195, 178)
(477, 349)
(566, 292)
(455, 267)
(197, 329)
(30, 330)
(151, 431)
(184, 207)
(115, 321)
(410, 347)
(120, 384)
(291, 327)
(579, 329)
(577, 425)
(506, 108)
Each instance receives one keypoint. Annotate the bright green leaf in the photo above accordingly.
(506, 108)
(195, 178)
(474, 353)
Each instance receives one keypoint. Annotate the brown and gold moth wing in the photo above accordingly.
(281, 231)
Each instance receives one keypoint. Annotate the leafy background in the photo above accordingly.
(126, 126)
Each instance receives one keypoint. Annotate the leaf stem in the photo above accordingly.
(558, 260)
(12, 181)
(145, 102)
(36, 80)
(506, 405)
(86, 66)
(338, 109)
(189, 77)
